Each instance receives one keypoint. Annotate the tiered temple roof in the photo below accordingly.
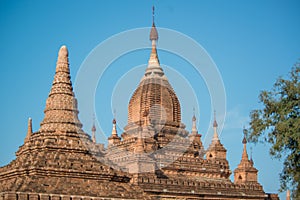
(58, 160)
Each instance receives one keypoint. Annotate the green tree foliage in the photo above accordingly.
(278, 123)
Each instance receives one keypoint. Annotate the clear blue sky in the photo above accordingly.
(251, 42)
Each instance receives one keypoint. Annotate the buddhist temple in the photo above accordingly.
(155, 157)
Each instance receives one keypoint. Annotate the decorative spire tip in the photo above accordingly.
(153, 9)
(194, 117)
(215, 120)
(63, 51)
(93, 127)
(29, 129)
(29, 125)
(114, 119)
(245, 133)
(62, 56)
(153, 32)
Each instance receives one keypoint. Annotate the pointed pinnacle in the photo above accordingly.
(114, 128)
(215, 120)
(61, 113)
(245, 154)
(153, 9)
(245, 133)
(29, 129)
(153, 32)
(93, 126)
(63, 54)
(194, 125)
(194, 117)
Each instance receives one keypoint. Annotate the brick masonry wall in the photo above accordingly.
(37, 196)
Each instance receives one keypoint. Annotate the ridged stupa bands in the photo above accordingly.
(154, 100)
(61, 113)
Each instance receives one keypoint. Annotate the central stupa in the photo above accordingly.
(154, 102)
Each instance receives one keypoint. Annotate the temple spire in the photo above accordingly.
(245, 171)
(94, 131)
(194, 124)
(216, 150)
(114, 129)
(153, 33)
(154, 68)
(61, 113)
(215, 126)
(245, 154)
(29, 129)
(114, 138)
(153, 9)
